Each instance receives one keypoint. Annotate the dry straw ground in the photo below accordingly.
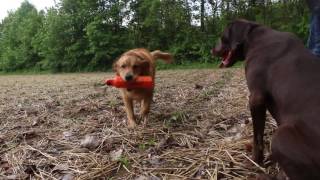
(70, 127)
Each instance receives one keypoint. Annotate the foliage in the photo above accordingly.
(88, 35)
(17, 36)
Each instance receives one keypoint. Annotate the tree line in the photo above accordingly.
(88, 35)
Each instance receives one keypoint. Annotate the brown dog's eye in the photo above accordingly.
(135, 66)
(224, 39)
(123, 66)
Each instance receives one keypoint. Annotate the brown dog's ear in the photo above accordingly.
(239, 31)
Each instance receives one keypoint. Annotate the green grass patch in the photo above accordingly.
(25, 72)
(187, 65)
(217, 85)
(148, 144)
(124, 161)
(194, 65)
(160, 66)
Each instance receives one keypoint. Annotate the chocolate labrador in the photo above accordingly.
(283, 77)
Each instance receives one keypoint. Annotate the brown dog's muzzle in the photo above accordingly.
(223, 53)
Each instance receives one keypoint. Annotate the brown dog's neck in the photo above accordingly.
(254, 32)
(250, 36)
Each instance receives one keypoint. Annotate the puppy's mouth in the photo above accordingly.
(130, 82)
(129, 79)
(226, 59)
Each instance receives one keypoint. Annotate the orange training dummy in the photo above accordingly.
(144, 82)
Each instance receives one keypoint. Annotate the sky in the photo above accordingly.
(7, 5)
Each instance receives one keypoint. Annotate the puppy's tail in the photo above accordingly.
(166, 57)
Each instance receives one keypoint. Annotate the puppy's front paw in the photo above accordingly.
(131, 124)
(139, 119)
(144, 120)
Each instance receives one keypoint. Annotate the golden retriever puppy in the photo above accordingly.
(130, 65)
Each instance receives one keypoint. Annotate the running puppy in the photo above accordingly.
(130, 65)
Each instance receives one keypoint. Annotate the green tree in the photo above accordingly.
(88, 35)
(52, 41)
(18, 31)
(106, 33)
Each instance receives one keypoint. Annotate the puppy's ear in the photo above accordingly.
(145, 63)
(115, 67)
(145, 66)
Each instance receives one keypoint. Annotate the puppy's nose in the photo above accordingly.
(129, 77)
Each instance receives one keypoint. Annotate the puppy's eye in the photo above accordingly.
(135, 66)
(123, 66)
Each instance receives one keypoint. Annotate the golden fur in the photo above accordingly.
(134, 63)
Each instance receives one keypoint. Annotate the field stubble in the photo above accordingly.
(71, 127)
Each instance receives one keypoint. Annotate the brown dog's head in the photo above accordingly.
(231, 44)
(131, 65)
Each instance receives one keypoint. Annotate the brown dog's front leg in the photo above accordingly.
(129, 110)
(258, 114)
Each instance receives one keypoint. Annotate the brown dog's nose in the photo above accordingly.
(128, 77)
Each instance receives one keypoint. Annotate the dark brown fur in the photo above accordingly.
(138, 62)
(283, 77)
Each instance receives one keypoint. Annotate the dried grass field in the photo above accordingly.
(69, 126)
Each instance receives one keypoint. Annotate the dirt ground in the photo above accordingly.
(69, 126)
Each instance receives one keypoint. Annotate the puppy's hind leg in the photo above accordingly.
(129, 110)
